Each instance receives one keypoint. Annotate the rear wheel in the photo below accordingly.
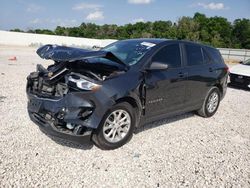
(116, 127)
(211, 103)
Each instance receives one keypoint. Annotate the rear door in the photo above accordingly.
(165, 89)
(201, 74)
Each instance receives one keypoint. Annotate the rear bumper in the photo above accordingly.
(48, 128)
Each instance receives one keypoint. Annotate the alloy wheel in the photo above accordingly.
(212, 102)
(116, 126)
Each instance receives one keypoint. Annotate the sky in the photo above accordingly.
(47, 14)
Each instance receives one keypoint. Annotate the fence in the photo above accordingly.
(235, 54)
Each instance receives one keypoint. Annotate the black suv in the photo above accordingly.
(104, 95)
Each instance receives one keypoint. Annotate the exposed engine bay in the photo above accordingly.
(64, 75)
(59, 79)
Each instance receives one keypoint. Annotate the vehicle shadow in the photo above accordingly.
(142, 128)
(163, 121)
(68, 143)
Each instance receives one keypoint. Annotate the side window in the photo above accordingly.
(194, 55)
(206, 56)
(214, 54)
(170, 55)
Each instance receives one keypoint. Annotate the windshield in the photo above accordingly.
(247, 62)
(130, 52)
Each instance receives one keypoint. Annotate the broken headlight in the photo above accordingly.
(84, 84)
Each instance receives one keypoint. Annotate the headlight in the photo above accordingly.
(84, 84)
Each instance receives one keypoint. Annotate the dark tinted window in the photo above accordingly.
(169, 55)
(206, 56)
(214, 54)
(194, 55)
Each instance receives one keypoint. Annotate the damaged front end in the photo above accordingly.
(64, 99)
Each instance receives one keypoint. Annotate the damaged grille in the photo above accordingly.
(42, 87)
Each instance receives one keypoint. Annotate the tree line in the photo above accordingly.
(215, 31)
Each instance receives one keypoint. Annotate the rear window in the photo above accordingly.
(214, 55)
(194, 55)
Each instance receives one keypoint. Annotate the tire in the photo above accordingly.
(120, 133)
(209, 109)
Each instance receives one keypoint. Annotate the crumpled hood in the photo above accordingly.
(69, 54)
(241, 70)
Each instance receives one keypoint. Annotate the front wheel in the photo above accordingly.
(211, 103)
(116, 128)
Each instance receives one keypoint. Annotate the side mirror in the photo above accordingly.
(158, 66)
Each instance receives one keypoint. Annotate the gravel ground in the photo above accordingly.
(184, 150)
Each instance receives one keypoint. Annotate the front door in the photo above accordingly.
(165, 89)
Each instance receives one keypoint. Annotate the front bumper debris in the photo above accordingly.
(53, 115)
(240, 80)
(72, 116)
(50, 129)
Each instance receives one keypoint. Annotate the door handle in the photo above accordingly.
(210, 69)
(181, 74)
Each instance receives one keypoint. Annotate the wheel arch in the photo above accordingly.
(135, 104)
(202, 111)
(220, 89)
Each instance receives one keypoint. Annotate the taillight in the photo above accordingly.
(226, 69)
